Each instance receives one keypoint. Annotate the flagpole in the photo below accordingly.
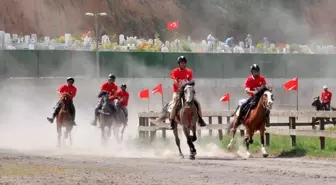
(229, 104)
(148, 105)
(162, 99)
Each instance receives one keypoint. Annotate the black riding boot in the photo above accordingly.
(56, 110)
(73, 113)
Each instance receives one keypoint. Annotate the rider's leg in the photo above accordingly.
(73, 112)
(201, 122)
(173, 112)
(125, 110)
(57, 108)
(242, 107)
(99, 106)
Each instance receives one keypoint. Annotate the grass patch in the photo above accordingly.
(281, 146)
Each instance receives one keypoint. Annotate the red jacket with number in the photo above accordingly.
(72, 90)
(326, 96)
(253, 83)
(180, 75)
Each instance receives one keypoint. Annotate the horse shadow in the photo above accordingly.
(293, 153)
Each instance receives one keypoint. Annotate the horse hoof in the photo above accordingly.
(265, 155)
(251, 141)
(181, 156)
(192, 157)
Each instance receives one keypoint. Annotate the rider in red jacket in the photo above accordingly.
(111, 87)
(326, 96)
(252, 85)
(70, 89)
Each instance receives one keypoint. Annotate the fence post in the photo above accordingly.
(322, 139)
(220, 132)
(292, 125)
(152, 133)
(267, 135)
(141, 123)
(210, 122)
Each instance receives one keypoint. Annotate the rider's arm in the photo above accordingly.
(61, 90)
(74, 93)
(190, 76)
(173, 76)
(248, 87)
(103, 87)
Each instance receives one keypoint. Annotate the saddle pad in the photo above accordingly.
(170, 106)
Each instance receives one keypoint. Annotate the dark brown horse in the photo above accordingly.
(105, 117)
(255, 121)
(187, 116)
(64, 119)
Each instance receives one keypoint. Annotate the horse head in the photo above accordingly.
(105, 98)
(317, 103)
(189, 94)
(65, 97)
(267, 99)
(116, 104)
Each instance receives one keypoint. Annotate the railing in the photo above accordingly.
(149, 131)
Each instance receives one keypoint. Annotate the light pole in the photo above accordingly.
(96, 15)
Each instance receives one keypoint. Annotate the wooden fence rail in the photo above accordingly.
(149, 131)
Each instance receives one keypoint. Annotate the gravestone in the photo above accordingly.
(26, 39)
(67, 40)
(121, 39)
(33, 38)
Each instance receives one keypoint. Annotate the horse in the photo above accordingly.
(317, 104)
(254, 121)
(64, 119)
(119, 120)
(187, 116)
(105, 116)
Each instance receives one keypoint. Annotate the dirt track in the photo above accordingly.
(18, 168)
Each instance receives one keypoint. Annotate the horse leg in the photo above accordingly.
(102, 130)
(123, 130)
(59, 134)
(190, 143)
(262, 140)
(248, 141)
(177, 139)
(233, 131)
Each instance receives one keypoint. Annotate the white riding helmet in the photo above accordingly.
(325, 87)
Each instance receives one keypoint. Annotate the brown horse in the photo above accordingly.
(255, 121)
(187, 116)
(317, 104)
(64, 119)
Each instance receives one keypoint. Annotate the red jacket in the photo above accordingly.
(124, 96)
(180, 75)
(72, 90)
(326, 96)
(253, 83)
(111, 88)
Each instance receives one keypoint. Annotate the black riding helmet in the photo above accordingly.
(123, 86)
(111, 77)
(181, 58)
(255, 67)
(70, 79)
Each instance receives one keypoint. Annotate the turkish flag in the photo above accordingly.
(292, 84)
(172, 25)
(225, 98)
(157, 89)
(144, 94)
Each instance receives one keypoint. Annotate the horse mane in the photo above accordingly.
(102, 93)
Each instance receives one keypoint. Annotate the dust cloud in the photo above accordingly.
(26, 103)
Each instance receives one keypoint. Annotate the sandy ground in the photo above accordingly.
(19, 168)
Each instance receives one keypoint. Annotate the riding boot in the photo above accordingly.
(201, 122)
(56, 110)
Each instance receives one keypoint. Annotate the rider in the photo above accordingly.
(123, 98)
(111, 87)
(71, 90)
(326, 96)
(180, 75)
(252, 85)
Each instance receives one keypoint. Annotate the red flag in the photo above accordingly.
(225, 98)
(292, 84)
(157, 89)
(144, 94)
(172, 25)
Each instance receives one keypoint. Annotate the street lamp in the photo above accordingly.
(96, 15)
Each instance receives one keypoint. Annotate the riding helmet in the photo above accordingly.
(123, 86)
(255, 67)
(111, 77)
(70, 78)
(181, 58)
